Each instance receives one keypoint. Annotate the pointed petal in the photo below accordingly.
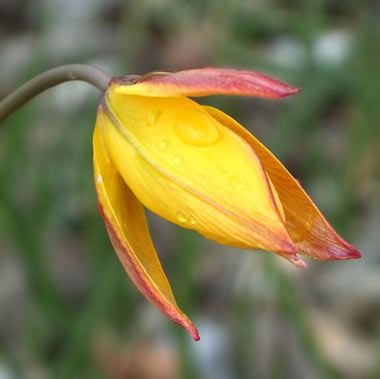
(173, 156)
(207, 81)
(308, 228)
(128, 231)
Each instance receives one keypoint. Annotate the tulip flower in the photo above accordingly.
(197, 167)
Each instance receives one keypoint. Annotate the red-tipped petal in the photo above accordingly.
(128, 230)
(208, 81)
(308, 228)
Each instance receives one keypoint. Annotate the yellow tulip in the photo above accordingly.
(197, 167)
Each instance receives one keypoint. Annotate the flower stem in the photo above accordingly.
(51, 78)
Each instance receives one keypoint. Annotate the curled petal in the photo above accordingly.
(308, 228)
(128, 231)
(207, 81)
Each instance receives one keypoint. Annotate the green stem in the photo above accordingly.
(51, 78)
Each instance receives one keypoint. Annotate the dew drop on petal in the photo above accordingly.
(236, 183)
(295, 231)
(177, 160)
(162, 145)
(197, 129)
(308, 226)
(192, 220)
(181, 216)
(130, 120)
(152, 118)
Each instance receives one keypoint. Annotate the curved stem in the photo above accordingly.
(51, 78)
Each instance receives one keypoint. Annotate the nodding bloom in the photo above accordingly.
(197, 167)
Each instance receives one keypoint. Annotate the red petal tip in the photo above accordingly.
(297, 262)
(191, 328)
(290, 91)
(349, 253)
(196, 336)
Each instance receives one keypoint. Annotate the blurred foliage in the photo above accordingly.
(68, 310)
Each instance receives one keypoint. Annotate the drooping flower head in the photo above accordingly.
(197, 167)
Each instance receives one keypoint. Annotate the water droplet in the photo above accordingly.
(152, 118)
(192, 220)
(296, 234)
(236, 183)
(197, 129)
(162, 145)
(99, 179)
(177, 160)
(295, 231)
(181, 216)
(130, 120)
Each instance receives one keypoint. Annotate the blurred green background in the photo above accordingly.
(68, 310)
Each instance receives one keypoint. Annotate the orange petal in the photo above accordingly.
(306, 225)
(128, 230)
(207, 81)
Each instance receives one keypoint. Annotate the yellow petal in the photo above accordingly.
(188, 168)
(308, 228)
(128, 230)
